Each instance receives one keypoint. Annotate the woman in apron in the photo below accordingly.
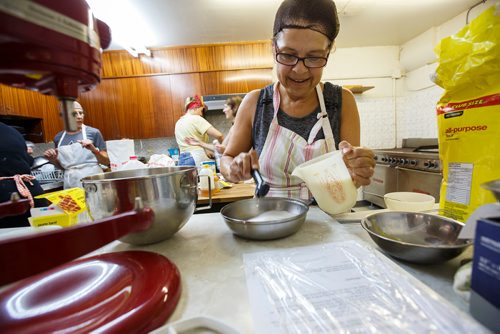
(79, 153)
(298, 118)
(193, 125)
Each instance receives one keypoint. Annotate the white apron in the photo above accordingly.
(77, 161)
(199, 155)
(284, 150)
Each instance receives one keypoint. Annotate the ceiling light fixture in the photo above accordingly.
(128, 27)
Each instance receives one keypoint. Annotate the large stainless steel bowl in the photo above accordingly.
(416, 237)
(170, 191)
(247, 218)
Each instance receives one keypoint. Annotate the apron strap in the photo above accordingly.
(323, 121)
(84, 135)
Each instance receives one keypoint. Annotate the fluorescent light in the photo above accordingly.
(128, 26)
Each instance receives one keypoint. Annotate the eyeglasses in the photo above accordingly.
(78, 113)
(310, 62)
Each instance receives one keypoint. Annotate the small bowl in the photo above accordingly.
(265, 218)
(416, 237)
(409, 201)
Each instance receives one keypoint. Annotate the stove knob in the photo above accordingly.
(384, 159)
(429, 164)
(406, 162)
(413, 162)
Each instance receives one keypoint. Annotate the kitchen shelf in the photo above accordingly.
(358, 89)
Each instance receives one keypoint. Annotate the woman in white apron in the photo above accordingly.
(303, 38)
(77, 161)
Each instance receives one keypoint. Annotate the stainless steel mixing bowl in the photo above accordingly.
(239, 215)
(170, 191)
(416, 237)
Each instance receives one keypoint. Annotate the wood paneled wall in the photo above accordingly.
(143, 97)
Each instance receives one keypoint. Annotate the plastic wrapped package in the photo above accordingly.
(161, 160)
(468, 113)
(344, 287)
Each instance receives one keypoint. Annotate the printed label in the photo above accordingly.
(459, 182)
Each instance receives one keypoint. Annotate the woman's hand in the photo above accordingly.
(359, 161)
(50, 154)
(89, 145)
(220, 148)
(242, 165)
(192, 141)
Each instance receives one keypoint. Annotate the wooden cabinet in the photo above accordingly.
(144, 97)
(20, 102)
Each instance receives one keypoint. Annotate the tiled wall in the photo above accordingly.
(417, 114)
(376, 121)
(416, 117)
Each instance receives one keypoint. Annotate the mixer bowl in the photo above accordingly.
(170, 191)
(416, 237)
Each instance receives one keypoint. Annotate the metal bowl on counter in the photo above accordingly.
(265, 218)
(416, 237)
(170, 191)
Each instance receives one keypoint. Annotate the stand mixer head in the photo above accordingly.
(53, 47)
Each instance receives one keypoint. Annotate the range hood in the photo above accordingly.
(216, 102)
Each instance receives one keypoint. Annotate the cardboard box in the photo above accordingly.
(51, 215)
(66, 206)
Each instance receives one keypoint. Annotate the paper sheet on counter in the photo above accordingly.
(344, 287)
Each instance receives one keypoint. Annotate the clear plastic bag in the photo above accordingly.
(133, 163)
(344, 287)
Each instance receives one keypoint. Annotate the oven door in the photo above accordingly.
(384, 180)
(419, 181)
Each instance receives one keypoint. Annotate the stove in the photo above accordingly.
(413, 167)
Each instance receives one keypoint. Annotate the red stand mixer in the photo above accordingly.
(53, 47)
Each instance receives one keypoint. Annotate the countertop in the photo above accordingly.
(210, 260)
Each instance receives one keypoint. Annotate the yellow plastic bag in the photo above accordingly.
(469, 113)
(71, 203)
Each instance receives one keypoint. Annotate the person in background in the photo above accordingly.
(297, 118)
(78, 153)
(193, 125)
(15, 177)
(30, 147)
(230, 110)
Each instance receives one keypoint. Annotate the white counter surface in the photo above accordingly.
(209, 258)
